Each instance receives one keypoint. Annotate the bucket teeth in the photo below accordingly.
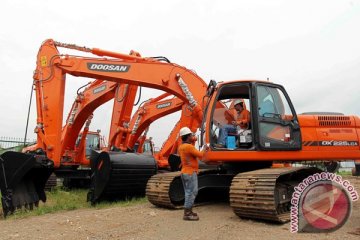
(22, 180)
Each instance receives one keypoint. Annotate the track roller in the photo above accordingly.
(51, 182)
(266, 194)
(166, 189)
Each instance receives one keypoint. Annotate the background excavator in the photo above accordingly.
(125, 136)
(76, 147)
(132, 141)
(75, 170)
(149, 112)
(277, 133)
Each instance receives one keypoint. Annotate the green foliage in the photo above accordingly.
(344, 173)
(62, 200)
(19, 148)
(15, 149)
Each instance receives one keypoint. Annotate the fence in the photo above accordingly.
(13, 144)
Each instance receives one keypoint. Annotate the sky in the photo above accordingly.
(310, 47)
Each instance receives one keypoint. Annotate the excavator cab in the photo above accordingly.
(273, 123)
(93, 142)
(276, 120)
(147, 147)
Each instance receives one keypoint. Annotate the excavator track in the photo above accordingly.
(51, 183)
(166, 189)
(266, 194)
(158, 189)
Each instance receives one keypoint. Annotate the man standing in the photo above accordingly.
(189, 170)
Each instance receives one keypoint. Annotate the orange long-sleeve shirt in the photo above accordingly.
(243, 119)
(188, 155)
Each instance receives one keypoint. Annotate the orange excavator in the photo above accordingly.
(121, 116)
(76, 170)
(149, 112)
(78, 174)
(76, 146)
(75, 166)
(276, 133)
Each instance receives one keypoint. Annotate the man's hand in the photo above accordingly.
(235, 123)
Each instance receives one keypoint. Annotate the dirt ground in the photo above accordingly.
(144, 221)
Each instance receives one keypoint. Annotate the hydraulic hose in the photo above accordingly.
(28, 114)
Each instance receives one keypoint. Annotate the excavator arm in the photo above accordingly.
(276, 135)
(121, 116)
(114, 70)
(50, 75)
(149, 112)
(96, 94)
(169, 147)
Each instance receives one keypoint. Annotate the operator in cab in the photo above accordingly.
(189, 169)
(242, 120)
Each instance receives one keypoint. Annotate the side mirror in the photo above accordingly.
(211, 88)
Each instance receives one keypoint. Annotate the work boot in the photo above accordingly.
(188, 216)
(193, 213)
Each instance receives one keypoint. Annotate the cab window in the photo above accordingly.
(277, 123)
(231, 118)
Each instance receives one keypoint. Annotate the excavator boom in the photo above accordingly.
(49, 81)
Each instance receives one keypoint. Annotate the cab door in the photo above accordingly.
(276, 123)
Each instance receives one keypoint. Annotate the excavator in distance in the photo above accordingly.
(276, 133)
(75, 166)
(124, 133)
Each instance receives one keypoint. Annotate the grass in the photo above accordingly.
(61, 200)
(344, 173)
(15, 149)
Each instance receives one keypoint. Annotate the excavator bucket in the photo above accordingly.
(22, 180)
(174, 162)
(117, 175)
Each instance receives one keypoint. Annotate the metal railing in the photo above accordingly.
(13, 143)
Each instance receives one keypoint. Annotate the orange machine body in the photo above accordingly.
(275, 132)
(171, 78)
(323, 137)
(149, 112)
(97, 93)
(50, 84)
(121, 116)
